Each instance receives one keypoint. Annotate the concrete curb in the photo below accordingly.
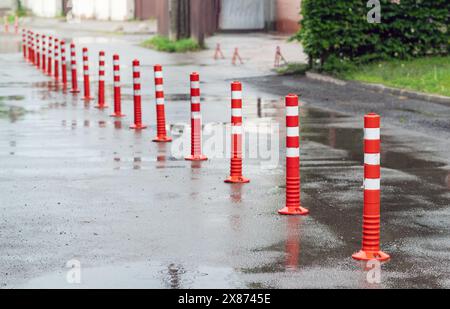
(381, 89)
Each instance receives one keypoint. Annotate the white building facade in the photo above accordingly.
(119, 10)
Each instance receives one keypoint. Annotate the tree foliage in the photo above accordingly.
(336, 33)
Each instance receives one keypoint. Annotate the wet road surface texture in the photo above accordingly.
(77, 184)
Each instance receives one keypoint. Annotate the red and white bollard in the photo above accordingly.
(293, 205)
(372, 174)
(24, 43)
(236, 135)
(16, 24)
(38, 51)
(63, 63)
(33, 54)
(86, 78)
(44, 53)
(50, 56)
(218, 53)
(160, 107)
(137, 96)
(236, 57)
(73, 68)
(101, 81)
(196, 121)
(29, 46)
(56, 60)
(279, 57)
(117, 90)
(6, 23)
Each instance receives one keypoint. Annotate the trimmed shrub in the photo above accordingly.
(336, 33)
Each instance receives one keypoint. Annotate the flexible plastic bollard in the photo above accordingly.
(372, 174)
(30, 54)
(6, 23)
(218, 53)
(44, 54)
(56, 60)
(137, 96)
(33, 53)
(16, 24)
(86, 78)
(279, 57)
(293, 206)
(236, 135)
(24, 43)
(101, 81)
(50, 56)
(196, 121)
(73, 68)
(236, 57)
(38, 51)
(63, 63)
(117, 88)
(160, 107)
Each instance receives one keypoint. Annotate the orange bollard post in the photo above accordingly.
(236, 57)
(137, 97)
(161, 136)
(236, 135)
(44, 54)
(279, 57)
(6, 23)
(117, 90)
(56, 60)
(86, 77)
(16, 24)
(73, 68)
(372, 174)
(196, 121)
(101, 81)
(24, 44)
(293, 205)
(38, 51)
(218, 53)
(50, 56)
(63, 63)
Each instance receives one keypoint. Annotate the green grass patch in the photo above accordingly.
(294, 68)
(164, 44)
(428, 74)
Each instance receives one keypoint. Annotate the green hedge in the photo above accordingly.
(336, 32)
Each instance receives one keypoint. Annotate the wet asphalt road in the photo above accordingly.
(76, 184)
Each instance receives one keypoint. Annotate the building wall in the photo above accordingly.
(86, 9)
(288, 15)
(44, 8)
(119, 10)
(6, 4)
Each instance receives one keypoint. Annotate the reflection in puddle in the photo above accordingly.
(293, 243)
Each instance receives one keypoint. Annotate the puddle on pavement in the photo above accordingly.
(10, 45)
(11, 111)
(142, 276)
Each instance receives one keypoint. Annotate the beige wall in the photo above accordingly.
(44, 8)
(288, 15)
(103, 9)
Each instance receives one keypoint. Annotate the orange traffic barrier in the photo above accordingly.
(372, 173)
(196, 121)
(236, 57)
(236, 135)
(161, 135)
(293, 206)
(218, 53)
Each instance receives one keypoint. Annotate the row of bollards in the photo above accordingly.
(50, 65)
(6, 24)
(218, 54)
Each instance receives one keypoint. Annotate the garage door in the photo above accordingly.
(242, 15)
